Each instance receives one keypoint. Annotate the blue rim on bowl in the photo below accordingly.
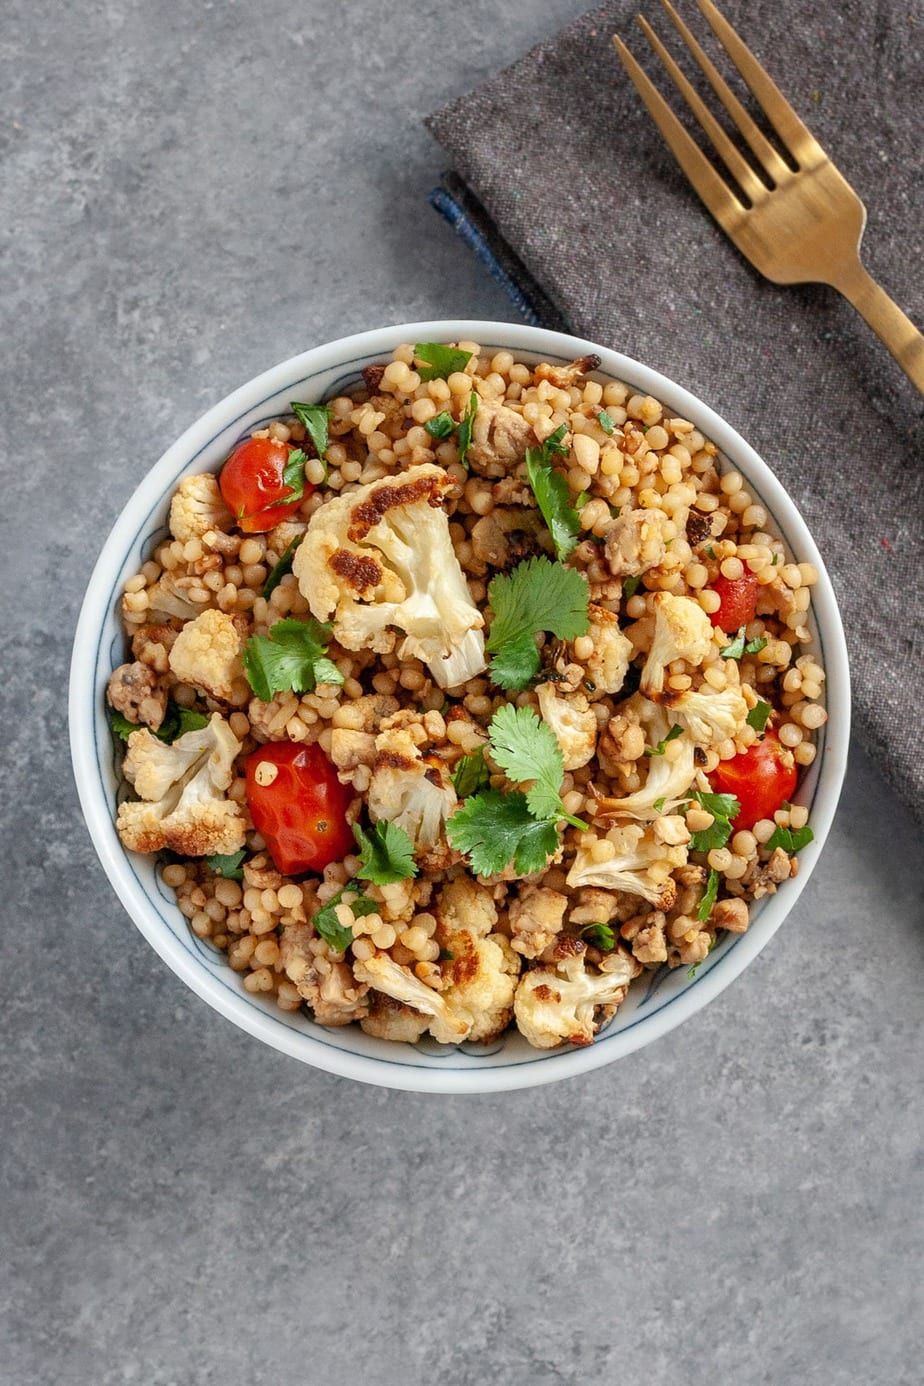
(650, 1010)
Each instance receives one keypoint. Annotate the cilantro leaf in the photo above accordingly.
(465, 428)
(538, 595)
(658, 804)
(601, 936)
(292, 657)
(335, 934)
(227, 865)
(724, 808)
(553, 494)
(316, 419)
(737, 647)
(675, 731)
(439, 361)
(605, 422)
(441, 425)
(759, 715)
(791, 840)
(122, 727)
(387, 853)
(630, 585)
(279, 570)
(527, 749)
(293, 476)
(709, 898)
(471, 774)
(178, 721)
(492, 829)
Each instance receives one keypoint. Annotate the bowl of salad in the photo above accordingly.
(459, 706)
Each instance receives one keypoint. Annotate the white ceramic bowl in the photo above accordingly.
(658, 1001)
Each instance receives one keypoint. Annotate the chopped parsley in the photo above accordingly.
(675, 731)
(293, 476)
(465, 428)
(387, 853)
(709, 898)
(292, 657)
(471, 774)
(335, 934)
(736, 648)
(280, 569)
(605, 422)
(759, 715)
(658, 805)
(790, 839)
(441, 425)
(553, 494)
(539, 595)
(227, 865)
(316, 419)
(630, 585)
(710, 551)
(177, 722)
(439, 361)
(600, 935)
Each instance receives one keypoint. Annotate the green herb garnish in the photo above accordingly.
(465, 428)
(280, 569)
(528, 750)
(440, 361)
(790, 839)
(709, 898)
(630, 585)
(724, 809)
(471, 774)
(737, 648)
(553, 494)
(675, 731)
(336, 935)
(539, 595)
(387, 854)
(600, 935)
(316, 419)
(605, 422)
(441, 426)
(293, 476)
(759, 715)
(227, 865)
(292, 657)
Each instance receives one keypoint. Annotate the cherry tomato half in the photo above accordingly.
(251, 482)
(762, 778)
(738, 601)
(298, 806)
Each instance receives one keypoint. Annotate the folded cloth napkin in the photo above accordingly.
(562, 183)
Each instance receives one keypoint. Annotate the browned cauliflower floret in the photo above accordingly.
(483, 968)
(710, 717)
(381, 557)
(383, 974)
(197, 507)
(134, 691)
(572, 720)
(350, 749)
(182, 790)
(630, 858)
(410, 788)
(637, 541)
(327, 984)
(682, 630)
(536, 918)
(670, 773)
(170, 596)
(500, 437)
(207, 654)
(564, 1001)
(388, 1019)
(608, 665)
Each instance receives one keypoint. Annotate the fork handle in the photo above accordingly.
(886, 319)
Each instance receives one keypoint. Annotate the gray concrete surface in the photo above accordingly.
(193, 192)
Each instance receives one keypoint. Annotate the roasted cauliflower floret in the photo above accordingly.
(500, 437)
(197, 507)
(637, 541)
(134, 691)
(670, 773)
(572, 720)
(383, 974)
(170, 596)
(711, 717)
(410, 789)
(327, 984)
(638, 863)
(682, 631)
(482, 970)
(536, 918)
(608, 665)
(388, 1019)
(381, 557)
(563, 1002)
(207, 654)
(182, 789)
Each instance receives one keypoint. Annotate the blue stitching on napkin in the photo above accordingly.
(450, 210)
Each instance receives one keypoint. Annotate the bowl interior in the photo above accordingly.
(657, 1001)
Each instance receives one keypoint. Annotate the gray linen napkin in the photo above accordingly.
(569, 178)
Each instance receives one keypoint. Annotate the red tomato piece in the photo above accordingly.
(762, 778)
(298, 806)
(251, 482)
(738, 601)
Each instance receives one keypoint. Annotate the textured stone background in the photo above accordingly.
(192, 192)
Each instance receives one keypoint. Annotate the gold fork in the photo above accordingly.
(807, 225)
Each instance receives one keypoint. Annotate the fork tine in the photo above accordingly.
(799, 141)
(769, 157)
(715, 192)
(737, 166)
